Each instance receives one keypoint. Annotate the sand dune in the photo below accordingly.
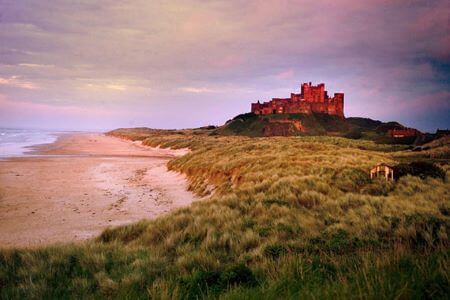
(80, 185)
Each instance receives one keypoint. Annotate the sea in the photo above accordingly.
(17, 142)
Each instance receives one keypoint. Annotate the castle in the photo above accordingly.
(312, 99)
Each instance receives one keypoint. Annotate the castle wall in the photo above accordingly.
(312, 99)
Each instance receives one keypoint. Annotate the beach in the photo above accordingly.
(74, 188)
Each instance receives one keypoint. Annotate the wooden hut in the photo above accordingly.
(384, 170)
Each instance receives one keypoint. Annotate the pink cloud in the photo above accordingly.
(288, 74)
(39, 108)
(25, 114)
(228, 61)
(196, 90)
(193, 26)
(16, 81)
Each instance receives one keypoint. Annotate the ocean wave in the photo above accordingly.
(14, 142)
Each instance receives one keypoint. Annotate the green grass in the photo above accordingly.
(316, 124)
(293, 217)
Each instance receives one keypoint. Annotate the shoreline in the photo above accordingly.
(33, 150)
(73, 189)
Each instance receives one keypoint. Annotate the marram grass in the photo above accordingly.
(285, 218)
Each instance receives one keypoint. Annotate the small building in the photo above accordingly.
(384, 170)
(403, 132)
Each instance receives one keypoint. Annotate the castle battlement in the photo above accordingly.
(312, 99)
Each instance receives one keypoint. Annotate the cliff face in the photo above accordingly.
(283, 127)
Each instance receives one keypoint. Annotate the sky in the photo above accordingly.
(99, 65)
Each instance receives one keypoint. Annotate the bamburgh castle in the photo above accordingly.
(312, 99)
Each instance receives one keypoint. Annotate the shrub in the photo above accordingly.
(203, 283)
(323, 270)
(275, 250)
(238, 274)
(354, 134)
(350, 179)
(269, 202)
(378, 187)
(340, 242)
(200, 283)
(310, 199)
(421, 169)
(123, 233)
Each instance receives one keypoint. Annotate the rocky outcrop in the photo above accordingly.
(283, 128)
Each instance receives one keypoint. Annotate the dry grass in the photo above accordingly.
(288, 217)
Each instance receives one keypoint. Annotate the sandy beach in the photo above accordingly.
(80, 185)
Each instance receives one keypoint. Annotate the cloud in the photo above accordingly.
(285, 74)
(437, 101)
(37, 108)
(228, 61)
(22, 114)
(196, 90)
(241, 50)
(115, 87)
(29, 65)
(16, 81)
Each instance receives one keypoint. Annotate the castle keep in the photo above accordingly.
(312, 99)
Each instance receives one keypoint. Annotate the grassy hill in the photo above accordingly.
(288, 217)
(252, 125)
(438, 150)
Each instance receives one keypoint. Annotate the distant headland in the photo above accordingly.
(314, 112)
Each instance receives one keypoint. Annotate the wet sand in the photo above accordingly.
(80, 185)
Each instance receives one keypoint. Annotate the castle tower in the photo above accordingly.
(320, 91)
(339, 104)
(313, 93)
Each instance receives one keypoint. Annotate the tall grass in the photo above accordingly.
(286, 218)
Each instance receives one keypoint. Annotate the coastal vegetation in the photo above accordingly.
(317, 124)
(284, 217)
